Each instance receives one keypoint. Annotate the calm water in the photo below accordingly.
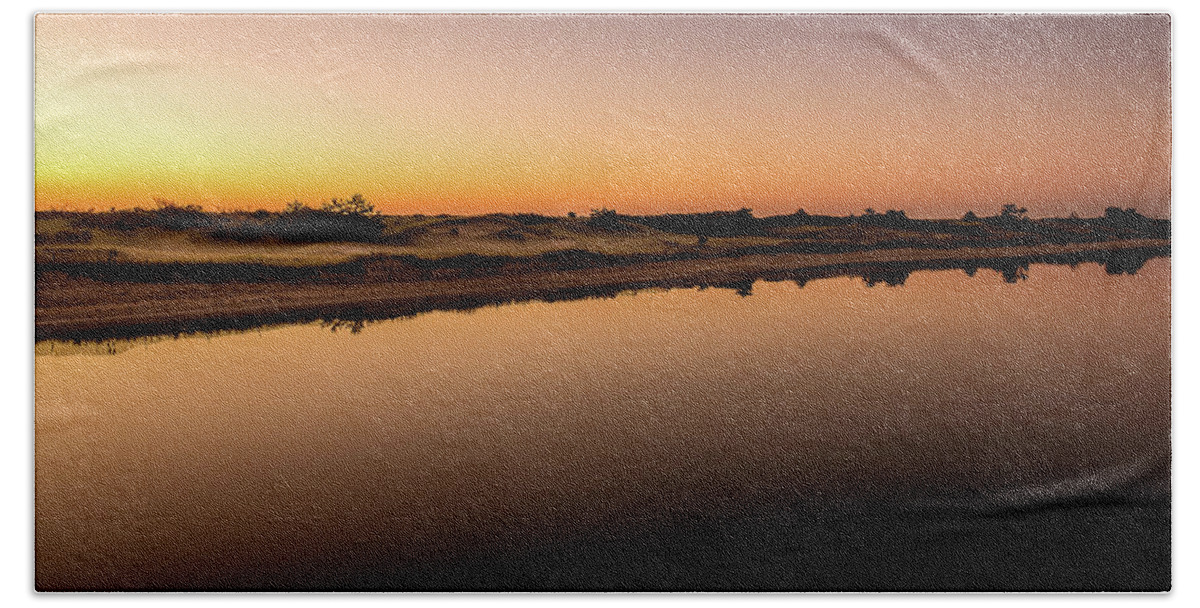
(655, 439)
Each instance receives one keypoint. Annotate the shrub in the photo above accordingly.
(355, 205)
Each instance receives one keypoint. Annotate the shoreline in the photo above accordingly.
(74, 305)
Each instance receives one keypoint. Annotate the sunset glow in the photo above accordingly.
(934, 114)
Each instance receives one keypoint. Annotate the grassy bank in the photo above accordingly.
(73, 305)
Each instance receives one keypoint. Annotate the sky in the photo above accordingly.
(441, 113)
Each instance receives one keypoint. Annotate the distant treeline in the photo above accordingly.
(1127, 222)
(355, 220)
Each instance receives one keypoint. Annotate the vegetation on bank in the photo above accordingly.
(79, 308)
(96, 271)
(346, 230)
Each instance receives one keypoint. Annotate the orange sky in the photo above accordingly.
(643, 113)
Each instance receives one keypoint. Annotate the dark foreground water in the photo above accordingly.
(955, 432)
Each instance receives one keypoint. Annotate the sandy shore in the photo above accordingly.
(69, 304)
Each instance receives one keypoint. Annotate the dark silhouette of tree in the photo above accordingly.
(170, 206)
(350, 220)
(355, 205)
(1124, 218)
(891, 218)
(606, 219)
(742, 222)
(1012, 212)
(970, 217)
(1011, 217)
(533, 219)
(895, 217)
(172, 216)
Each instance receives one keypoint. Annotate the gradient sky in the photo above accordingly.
(934, 114)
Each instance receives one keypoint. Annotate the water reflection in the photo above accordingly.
(956, 433)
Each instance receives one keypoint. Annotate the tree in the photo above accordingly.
(296, 207)
(1127, 218)
(171, 206)
(356, 205)
(607, 219)
(970, 217)
(1011, 211)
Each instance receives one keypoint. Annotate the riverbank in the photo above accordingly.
(69, 305)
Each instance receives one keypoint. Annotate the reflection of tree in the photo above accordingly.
(892, 277)
(1124, 262)
(744, 287)
(355, 326)
(1013, 271)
